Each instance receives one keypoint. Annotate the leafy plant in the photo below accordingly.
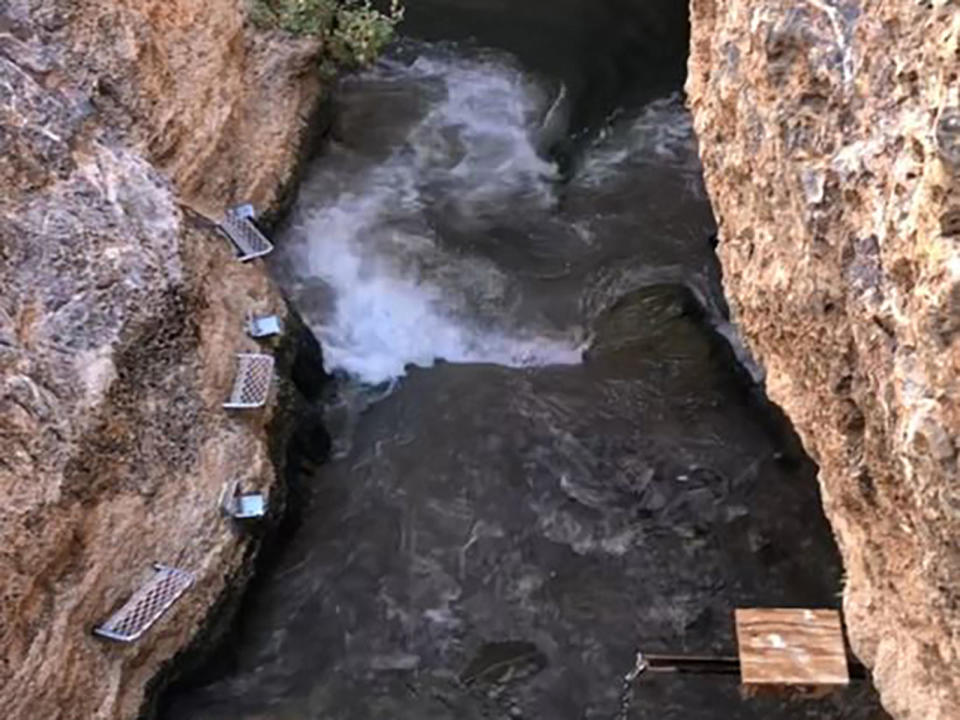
(354, 31)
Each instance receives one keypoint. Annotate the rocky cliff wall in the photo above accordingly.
(830, 138)
(120, 313)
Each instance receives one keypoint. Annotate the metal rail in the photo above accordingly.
(717, 665)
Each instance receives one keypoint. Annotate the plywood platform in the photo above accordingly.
(791, 650)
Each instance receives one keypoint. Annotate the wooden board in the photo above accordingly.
(793, 650)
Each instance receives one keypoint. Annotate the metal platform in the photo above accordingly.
(250, 243)
(251, 387)
(146, 605)
(264, 326)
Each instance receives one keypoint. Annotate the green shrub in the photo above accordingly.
(354, 32)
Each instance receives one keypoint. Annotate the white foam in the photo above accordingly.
(393, 295)
(384, 321)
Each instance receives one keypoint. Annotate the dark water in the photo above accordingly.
(547, 455)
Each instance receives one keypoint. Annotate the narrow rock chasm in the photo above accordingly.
(549, 448)
(520, 424)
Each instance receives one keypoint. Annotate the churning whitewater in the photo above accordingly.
(363, 256)
(397, 252)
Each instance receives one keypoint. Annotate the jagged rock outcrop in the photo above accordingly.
(829, 135)
(120, 314)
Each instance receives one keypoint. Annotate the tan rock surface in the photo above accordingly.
(839, 213)
(220, 109)
(119, 317)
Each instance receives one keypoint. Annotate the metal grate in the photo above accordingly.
(246, 237)
(251, 387)
(146, 605)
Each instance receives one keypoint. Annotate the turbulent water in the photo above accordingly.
(568, 464)
(434, 227)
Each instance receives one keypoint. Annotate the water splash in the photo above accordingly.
(363, 258)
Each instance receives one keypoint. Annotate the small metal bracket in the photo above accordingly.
(245, 211)
(242, 506)
(264, 326)
(249, 506)
(146, 605)
(640, 664)
(251, 386)
(246, 237)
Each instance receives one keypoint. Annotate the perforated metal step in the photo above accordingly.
(246, 237)
(146, 605)
(251, 387)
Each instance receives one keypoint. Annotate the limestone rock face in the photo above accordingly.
(120, 314)
(830, 138)
(218, 108)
